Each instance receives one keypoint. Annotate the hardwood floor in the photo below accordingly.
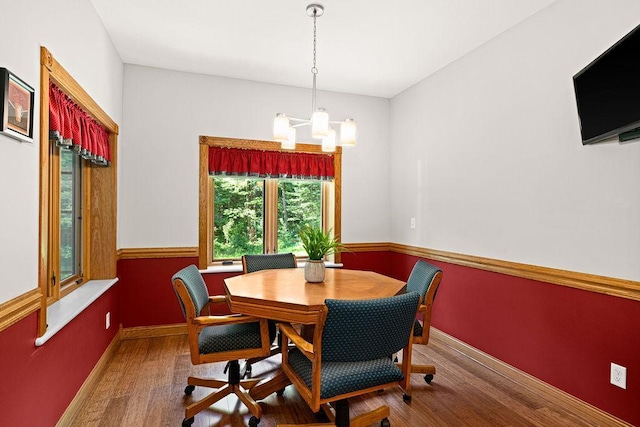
(143, 385)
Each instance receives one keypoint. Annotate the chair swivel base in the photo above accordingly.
(223, 388)
(428, 370)
(245, 369)
(338, 414)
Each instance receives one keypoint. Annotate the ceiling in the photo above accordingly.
(374, 47)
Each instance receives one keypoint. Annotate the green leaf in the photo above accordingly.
(317, 243)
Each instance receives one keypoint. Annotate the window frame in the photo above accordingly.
(331, 200)
(99, 187)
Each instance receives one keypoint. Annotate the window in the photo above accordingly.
(67, 195)
(253, 215)
(238, 217)
(78, 142)
(299, 203)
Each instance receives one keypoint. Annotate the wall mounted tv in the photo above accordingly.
(608, 92)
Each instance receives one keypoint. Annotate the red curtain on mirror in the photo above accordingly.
(72, 128)
(270, 164)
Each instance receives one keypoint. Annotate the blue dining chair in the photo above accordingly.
(252, 263)
(424, 279)
(349, 355)
(219, 338)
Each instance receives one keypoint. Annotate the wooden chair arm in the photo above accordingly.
(303, 345)
(217, 299)
(232, 319)
(214, 300)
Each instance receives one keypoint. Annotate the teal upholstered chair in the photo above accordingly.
(349, 355)
(251, 263)
(218, 338)
(424, 279)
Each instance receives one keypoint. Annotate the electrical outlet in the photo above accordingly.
(107, 320)
(413, 223)
(619, 376)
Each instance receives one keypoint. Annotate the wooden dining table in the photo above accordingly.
(285, 296)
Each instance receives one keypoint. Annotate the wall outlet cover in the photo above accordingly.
(619, 375)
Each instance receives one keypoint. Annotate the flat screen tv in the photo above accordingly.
(608, 92)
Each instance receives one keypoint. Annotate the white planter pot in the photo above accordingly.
(314, 271)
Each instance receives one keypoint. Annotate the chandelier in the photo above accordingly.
(284, 128)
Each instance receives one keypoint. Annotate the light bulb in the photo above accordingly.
(329, 142)
(348, 133)
(320, 123)
(281, 128)
(290, 143)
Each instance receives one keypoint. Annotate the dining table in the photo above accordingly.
(285, 296)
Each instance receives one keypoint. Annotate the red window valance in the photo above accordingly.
(270, 164)
(72, 128)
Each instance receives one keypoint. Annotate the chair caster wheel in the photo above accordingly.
(428, 378)
(253, 422)
(247, 371)
(385, 423)
(188, 390)
(187, 422)
(280, 392)
(406, 398)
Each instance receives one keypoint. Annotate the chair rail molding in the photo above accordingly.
(622, 288)
(18, 308)
(139, 253)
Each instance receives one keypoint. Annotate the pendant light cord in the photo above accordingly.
(314, 70)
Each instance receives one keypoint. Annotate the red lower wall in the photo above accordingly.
(38, 383)
(563, 336)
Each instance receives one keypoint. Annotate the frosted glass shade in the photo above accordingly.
(320, 124)
(348, 133)
(281, 128)
(290, 143)
(329, 142)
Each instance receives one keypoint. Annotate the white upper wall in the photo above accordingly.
(166, 111)
(74, 34)
(485, 154)
(488, 157)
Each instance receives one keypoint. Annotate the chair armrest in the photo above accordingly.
(303, 345)
(231, 319)
(217, 299)
(214, 300)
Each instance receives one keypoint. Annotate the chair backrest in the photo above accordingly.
(194, 283)
(357, 330)
(421, 278)
(251, 263)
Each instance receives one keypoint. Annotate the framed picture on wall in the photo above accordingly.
(16, 106)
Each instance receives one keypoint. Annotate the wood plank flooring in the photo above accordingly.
(144, 386)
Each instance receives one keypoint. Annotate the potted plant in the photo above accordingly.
(318, 244)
